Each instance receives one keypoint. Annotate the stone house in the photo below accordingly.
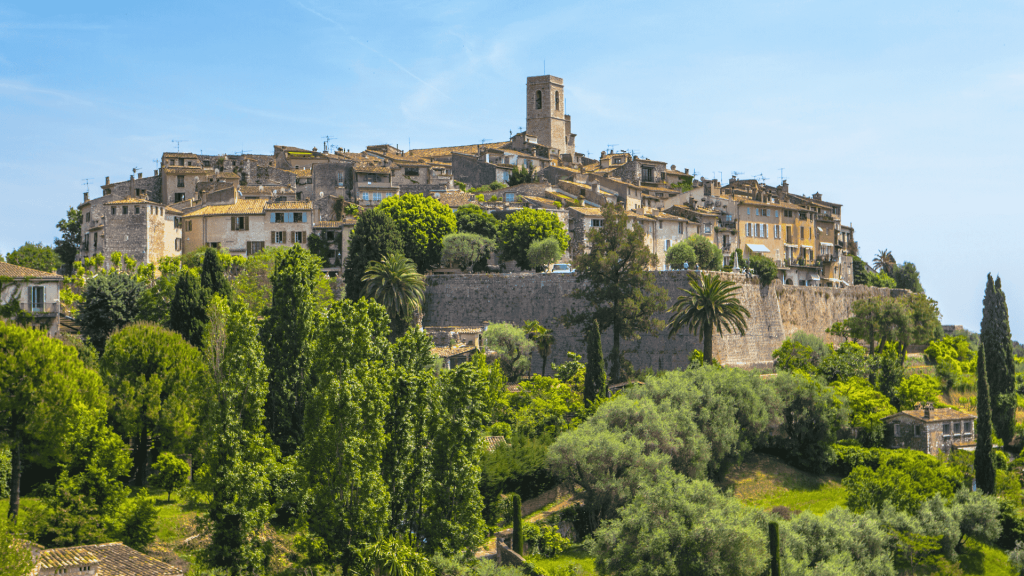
(244, 226)
(335, 233)
(38, 293)
(932, 430)
(137, 227)
(111, 559)
(455, 345)
(475, 172)
(372, 184)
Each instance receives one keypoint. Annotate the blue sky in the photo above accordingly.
(909, 114)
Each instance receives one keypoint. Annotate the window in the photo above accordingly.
(967, 427)
(366, 196)
(667, 245)
(596, 223)
(298, 195)
(88, 216)
(278, 217)
(917, 430)
(707, 228)
(659, 224)
(647, 173)
(179, 197)
(538, 101)
(177, 244)
(297, 237)
(896, 429)
(181, 161)
(680, 228)
(748, 228)
(177, 221)
(277, 237)
(206, 163)
(239, 222)
(181, 181)
(556, 100)
(778, 231)
(618, 160)
(253, 247)
(510, 197)
(341, 178)
(35, 298)
(945, 429)
(298, 217)
(95, 238)
(801, 232)
(189, 226)
(376, 197)
(124, 210)
(113, 210)
(329, 235)
(748, 211)
(412, 171)
(787, 213)
(136, 209)
(956, 428)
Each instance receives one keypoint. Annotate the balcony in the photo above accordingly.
(41, 308)
(728, 225)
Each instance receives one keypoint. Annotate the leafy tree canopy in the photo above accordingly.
(471, 219)
(423, 222)
(467, 251)
(513, 346)
(523, 227)
(35, 256)
(68, 244)
(109, 302)
(375, 236)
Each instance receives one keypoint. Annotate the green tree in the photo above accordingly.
(322, 248)
(188, 315)
(880, 280)
(513, 346)
(109, 302)
(391, 557)
(374, 236)
(45, 390)
(170, 473)
(709, 256)
(884, 262)
(423, 222)
(793, 356)
(287, 335)
(764, 268)
(676, 525)
(517, 525)
(467, 251)
(916, 389)
(837, 542)
(544, 339)
(680, 253)
(522, 228)
(213, 279)
(594, 383)
(155, 379)
(522, 175)
(35, 256)
(137, 521)
(999, 362)
(907, 277)
(472, 219)
(904, 320)
(709, 303)
(889, 371)
(850, 360)
(813, 415)
(615, 285)
(984, 465)
(241, 455)
(868, 408)
(15, 557)
(68, 245)
(902, 478)
(861, 270)
(395, 284)
(543, 253)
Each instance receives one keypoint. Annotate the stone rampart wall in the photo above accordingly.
(776, 312)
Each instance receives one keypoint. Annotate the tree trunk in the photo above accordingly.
(616, 360)
(708, 338)
(543, 365)
(15, 500)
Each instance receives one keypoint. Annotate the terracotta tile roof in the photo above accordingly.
(448, 351)
(334, 223)
(264, 189)
(131, 201)
(371, 169)
(455, 199)
(585, 210)
(244, 206)
(494, 441)
(229, 175)
(180, 155)
(15, 271)
(295, 205)
(172, 210)
(445, 151)
(937, 415)
(304, 173)
(179, 170)
(542, 201)
(113, 559)
(576, 187)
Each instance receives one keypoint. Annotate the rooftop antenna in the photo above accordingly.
(156, 163)
(327, 142)
(243, 152)
(178, 142)
(782, 176)
(86, 182)
(735, 173)
(134, 170)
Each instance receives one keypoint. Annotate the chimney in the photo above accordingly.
(131, 178)
(686, 170)
(86, 195)
(928, 410)
(156, 172)
(108, 180)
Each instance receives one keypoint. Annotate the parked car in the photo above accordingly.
(561, 269)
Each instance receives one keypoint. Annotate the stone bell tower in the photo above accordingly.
(545, 114)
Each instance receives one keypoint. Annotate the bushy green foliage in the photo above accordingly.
(518, 467)
(67, 246)
(955, 362)
(15, 557)
(213, 279)
(709, 256)
(514, 348)
(522, 228)
(793, 356)
(696, 422)
(109, 302)
(188, 308)
(813, 414)
(764, 268)
(170, 473)
(395, 284)
(543, 253)
(837, 542)
(35, 256)
(907, 277)
(880, 280)
(904, 321)
(676, 525)
(136, 522)
(522, 175)
(544, 539)
(680, 253)
(868, 407)
(916, 389)
(472, 219)
(375, 235)
(546, 406)
(423, 222)
(155, 380)
(5, 472)
(889, 370)
(901, 478)
(467, 251)
(850, 360)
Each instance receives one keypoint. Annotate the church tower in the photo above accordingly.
(545, 114)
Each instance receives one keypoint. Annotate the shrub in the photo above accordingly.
(764, 268)
(543, 253)
(680, 253)
(137, 521)
(466, 251)
(171, 473)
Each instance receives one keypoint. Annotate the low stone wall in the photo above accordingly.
(533, 504)
(776, 312)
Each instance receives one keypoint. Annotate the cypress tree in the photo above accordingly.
(594, 380)
(773, 549)
(188, 308)
(213, 273)
(995, 335)
(517, 524)
(984, 466)
(374, 236)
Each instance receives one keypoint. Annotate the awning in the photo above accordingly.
(825, 243)
(815, 277)
(758, 248)
(819, 229)
(790, 245)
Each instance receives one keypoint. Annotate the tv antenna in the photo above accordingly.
(760, 177)
(156, 163)
(611, 147)
(735, 173)
(327, 142)
(178, 142)
(240, 152)
(782, 176)
(86, 182)
(135, 169)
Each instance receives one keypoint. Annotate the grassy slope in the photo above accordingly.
(766, 482)
(573, 561)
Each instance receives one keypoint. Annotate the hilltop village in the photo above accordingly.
(243, 203)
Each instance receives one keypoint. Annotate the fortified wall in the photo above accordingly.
(776, 312)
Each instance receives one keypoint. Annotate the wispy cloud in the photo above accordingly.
(24, 88)
(368, 47)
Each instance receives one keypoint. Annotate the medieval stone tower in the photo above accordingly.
(545, 114)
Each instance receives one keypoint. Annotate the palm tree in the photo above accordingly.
(543, 338)
(709, 303)
(395, 284)
(884, 262)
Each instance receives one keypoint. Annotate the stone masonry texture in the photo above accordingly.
(776, 312)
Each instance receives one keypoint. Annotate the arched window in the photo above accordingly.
(556, 101)
(539, 101)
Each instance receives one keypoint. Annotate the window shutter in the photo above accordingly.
(232, 223)
(245, 223)
(271, 237)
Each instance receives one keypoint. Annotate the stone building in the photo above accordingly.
(135, 226)
(37, 293)
(545, 115)
(932, 430)
(244, 226)
(110, 559)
